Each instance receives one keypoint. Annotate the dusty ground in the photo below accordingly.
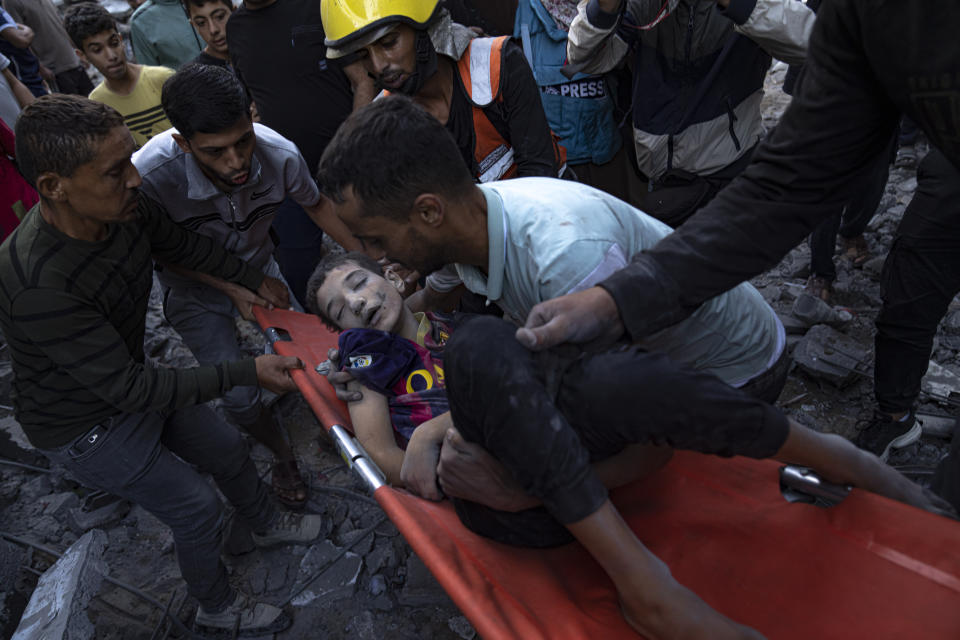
(393, 595)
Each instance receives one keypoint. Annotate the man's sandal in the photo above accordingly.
(288, 485)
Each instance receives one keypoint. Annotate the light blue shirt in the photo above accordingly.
(550, 237)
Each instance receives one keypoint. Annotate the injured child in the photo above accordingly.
(527, 444)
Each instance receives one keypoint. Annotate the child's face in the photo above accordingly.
(210, 19)
(105, 52)
(355, 298)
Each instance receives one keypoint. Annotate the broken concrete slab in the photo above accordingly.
(97, 510)
(11, 557)
(793, 326)
(421, 588)
(337, 582)
(951, 323)
(462, 627)
(57, 504)
(937, 425)
(829, 355)
(940, 382)
(58, 607)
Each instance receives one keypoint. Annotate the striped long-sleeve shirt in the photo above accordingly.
(74, 314)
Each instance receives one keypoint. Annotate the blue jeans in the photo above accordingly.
(133, 458)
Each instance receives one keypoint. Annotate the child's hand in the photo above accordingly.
(419, 470)
(340, 379)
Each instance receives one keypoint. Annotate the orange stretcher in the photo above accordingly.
(868, 567)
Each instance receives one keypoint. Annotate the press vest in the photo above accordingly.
(579, 109)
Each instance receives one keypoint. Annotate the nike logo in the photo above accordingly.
(256, 195)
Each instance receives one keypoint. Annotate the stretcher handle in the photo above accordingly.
(357, 458)
(800, 484)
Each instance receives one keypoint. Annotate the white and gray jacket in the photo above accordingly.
(698, 72)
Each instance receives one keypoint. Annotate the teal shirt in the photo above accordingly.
(550, 237)
(162, 35)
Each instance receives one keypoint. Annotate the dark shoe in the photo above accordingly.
(289, 528)
(243, 618)
(883, 434)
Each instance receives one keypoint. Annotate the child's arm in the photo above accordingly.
(371, 424)
(419, 470)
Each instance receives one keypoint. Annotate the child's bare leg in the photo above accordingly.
(653, 603)
(840, 461)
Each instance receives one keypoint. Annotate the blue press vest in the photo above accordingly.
(579, 110)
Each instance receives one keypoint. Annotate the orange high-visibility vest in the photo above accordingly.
(479, 69)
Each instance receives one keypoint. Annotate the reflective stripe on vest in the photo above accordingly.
(479, 69)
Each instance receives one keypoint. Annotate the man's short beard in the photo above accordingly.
(425, 66)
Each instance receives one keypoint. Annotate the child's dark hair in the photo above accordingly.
(319, 276)
(204, 98)
(86, 20)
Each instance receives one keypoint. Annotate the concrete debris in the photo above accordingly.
(812, 310)
(35, 488)
(793, 326)
(936, 425)
(11, 557)
(951, 323)
(827, 354)
(874, 265)
(57, 504)
(58, 607)
(462, 627)
(98, 509)
(940, 382)
(377, 585)
(421, 588)
(337, 582)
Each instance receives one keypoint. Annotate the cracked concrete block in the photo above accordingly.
(337, 581)
(462, 627)
(58, 607)
(951, 324)
(792, 326)
(361, 547)
(56, 504)
(86, 518)
(940, 382)
(829, 355)
(35, 488)
(420, 587)
(11, 557)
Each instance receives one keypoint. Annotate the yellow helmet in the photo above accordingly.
(352, 24)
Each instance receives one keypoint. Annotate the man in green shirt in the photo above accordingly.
(162, 34)
(75, 279)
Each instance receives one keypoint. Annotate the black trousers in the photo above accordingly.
(546, 417)
(920, 277)
(853, 219)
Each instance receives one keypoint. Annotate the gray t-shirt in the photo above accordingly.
(550, 237)
(239, 220)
